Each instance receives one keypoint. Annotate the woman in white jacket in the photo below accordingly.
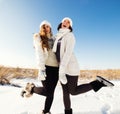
(47, 66)
(68, 65)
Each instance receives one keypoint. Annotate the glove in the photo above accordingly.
(41, 75)
(63, 78)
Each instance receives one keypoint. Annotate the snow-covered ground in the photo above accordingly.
(105, 101)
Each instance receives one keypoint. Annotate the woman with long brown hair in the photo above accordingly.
(47, 66)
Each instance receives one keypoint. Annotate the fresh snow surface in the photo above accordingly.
(105, 101)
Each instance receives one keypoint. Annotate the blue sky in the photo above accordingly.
(96, 25)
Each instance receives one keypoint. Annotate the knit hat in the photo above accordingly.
(45, 22)
(67, 18)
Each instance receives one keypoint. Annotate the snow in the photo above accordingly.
(105, 101)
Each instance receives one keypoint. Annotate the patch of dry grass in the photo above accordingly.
(108, 73)
(9, 73)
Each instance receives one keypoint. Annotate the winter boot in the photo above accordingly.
(100, 82)
(68, 111)
(28, 90)
(46, 113)
(43, 112)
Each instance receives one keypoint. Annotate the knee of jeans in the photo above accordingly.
(50, 95)
(72, 92)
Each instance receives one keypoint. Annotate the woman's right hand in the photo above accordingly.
(35, 35)
(41, 75)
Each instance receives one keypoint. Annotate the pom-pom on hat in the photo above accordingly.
(45, 22)
(67, 18)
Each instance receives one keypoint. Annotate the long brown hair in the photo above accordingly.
(44, 37)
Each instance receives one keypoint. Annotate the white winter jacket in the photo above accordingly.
(68, 62)
(43, 57)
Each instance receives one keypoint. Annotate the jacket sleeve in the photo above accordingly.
(39, 52)
(69, 44)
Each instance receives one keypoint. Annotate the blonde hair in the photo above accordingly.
(44, 37)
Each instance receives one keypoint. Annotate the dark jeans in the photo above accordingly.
(48, 86)
(72, 88)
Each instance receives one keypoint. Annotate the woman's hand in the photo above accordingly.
(41, 75)
(62, 75)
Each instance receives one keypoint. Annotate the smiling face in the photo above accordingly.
(47, 28)
(65, 24)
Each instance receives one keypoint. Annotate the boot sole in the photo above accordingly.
(104, 81)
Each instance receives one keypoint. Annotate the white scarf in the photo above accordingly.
(60, 34)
